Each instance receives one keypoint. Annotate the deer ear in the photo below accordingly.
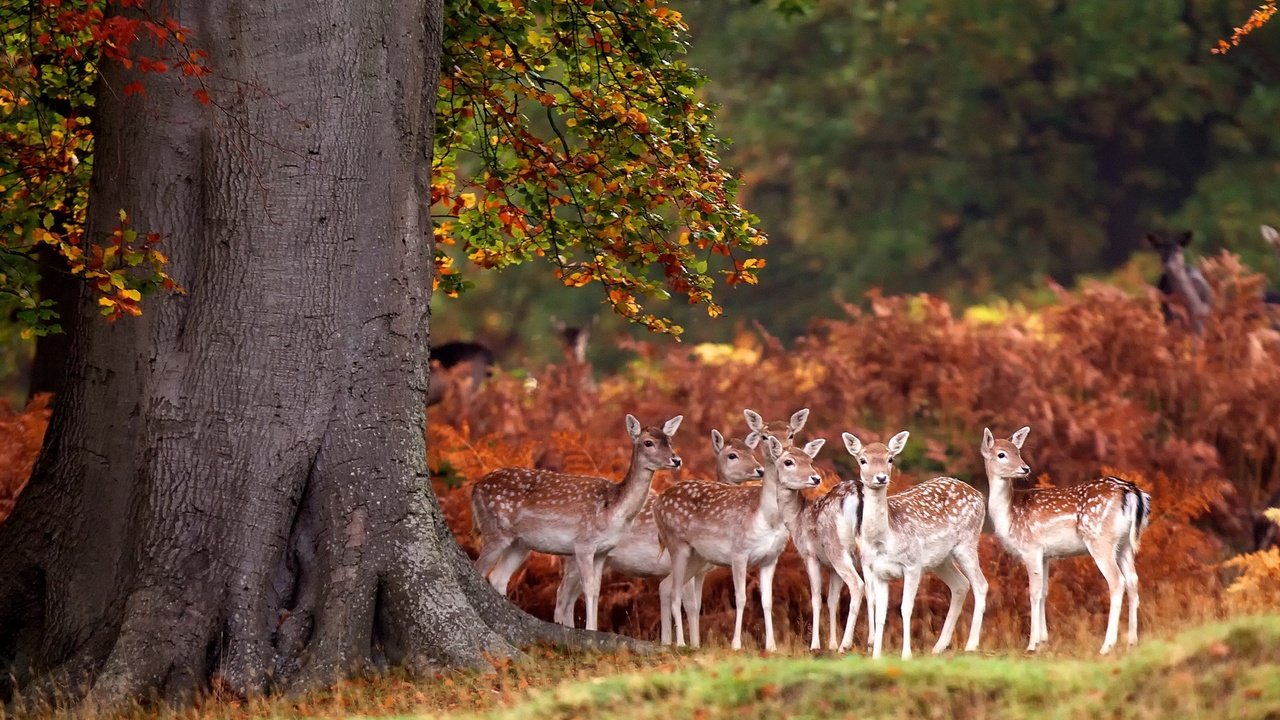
(633, 427)
(1184, 238)
(1271, 235)
(754, 421)
(1020, 437)
(988, 441)
(717, 441)
(798, 420)
(898, 442)
(772, 448)
(670, 427)
(752, 440)
(812, 447)
(851, 443)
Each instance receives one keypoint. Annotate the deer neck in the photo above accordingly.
(635, 487)
(875, 513)
(777, 504)
(1000, 504)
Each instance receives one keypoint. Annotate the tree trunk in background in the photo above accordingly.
(49, 367)
(235, 484)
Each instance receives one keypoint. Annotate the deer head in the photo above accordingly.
(735, 461)
(1003, 458)
(794, 465)
(782, 430)
(1169, 244)
(652, 445)
(875, 460)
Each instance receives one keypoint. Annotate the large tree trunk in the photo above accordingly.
(235, 484)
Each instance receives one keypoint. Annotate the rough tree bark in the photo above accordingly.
(235, 484)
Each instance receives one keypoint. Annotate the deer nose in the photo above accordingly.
(815, 480)
(675, 461)
(882, 478)
(1026, 469)
(759, 472)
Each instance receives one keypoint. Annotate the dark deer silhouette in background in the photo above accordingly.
(478, 358)
(1181, 281)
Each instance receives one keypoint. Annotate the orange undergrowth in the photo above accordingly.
(1104, 382)
(20, 437)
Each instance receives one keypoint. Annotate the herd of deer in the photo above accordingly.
(694, 526)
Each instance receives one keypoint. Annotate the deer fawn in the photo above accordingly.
(702, 524)
(825, 536)
(933, 526)
(518, 510)
(639, 553)
(1104, 518)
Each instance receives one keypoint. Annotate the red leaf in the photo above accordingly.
(134, 88)
(202, 96)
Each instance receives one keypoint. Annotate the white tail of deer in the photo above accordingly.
(933, 526)
(518, 510)
(702, 524)
(639, 552)
(1104, 518)
(825, 535)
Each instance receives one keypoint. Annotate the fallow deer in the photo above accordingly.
(639, 553)
(1180, 279)
(1104, 518)
(703, 524)
(825, 536)
(784, 431)
(519, 510)
(933, 526)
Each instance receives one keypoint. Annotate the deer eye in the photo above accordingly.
(789, 463)
(648, 443)
(1001, 455)
(890, 461)
(863, 461)
(733, 456)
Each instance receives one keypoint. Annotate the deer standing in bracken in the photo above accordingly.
(825, 535)
(639, 553)
(703, 524)
(933, 526)
(518, 510)
(1104, 518)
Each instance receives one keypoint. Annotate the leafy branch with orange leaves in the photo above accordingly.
(1259, 17)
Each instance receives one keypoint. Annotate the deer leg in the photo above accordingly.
(694, 608)
(959, 587)
(1034, 562)
(512, 558)
(846, 572)
(490, 554)
(739, 568)
(882, 611)
(1103, 553)
(910, 585)
(679, 562)
(586, 559)
(568, 592)
(834, 586)
(971, 566)
(1044, 599)
(814, 570)
(766, 603)
(870, 585)
(664, 614)
(1128, 567)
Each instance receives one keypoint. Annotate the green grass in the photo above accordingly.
(1228, 670)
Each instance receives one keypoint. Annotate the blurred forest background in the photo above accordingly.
(968, 149)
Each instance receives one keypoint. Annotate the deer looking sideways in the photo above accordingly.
(1104, 518)
(703, 524)
(518, 510)
(639, 553)
(933, 526)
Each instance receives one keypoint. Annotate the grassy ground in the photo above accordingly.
(1226, 670)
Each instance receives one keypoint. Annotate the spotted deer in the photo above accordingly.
(784, 431)
(933, 526)
(639, 554)
(1104, 518)
(825, 536)
(703, 524)
(518, 510)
